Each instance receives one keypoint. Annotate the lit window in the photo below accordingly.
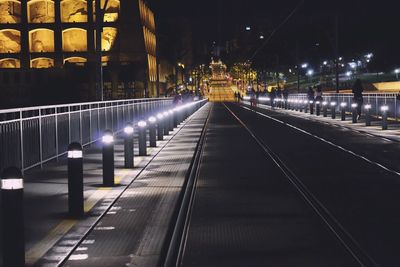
(10, 41)
(10, 11)
(112, 10)
(80, 61)
(73, 11)
(40, 11)
(108, 37)
(74, 40)
(41, 40)
(9, 63)
(42, 62)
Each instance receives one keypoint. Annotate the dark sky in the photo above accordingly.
(363, 27)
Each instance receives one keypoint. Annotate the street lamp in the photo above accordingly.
(397, 71)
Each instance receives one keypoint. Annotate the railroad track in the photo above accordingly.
(177, 246)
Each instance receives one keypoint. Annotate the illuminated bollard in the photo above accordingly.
(305, 102)
(171, 120)
(354, 112)
(300, 105)
(175, 118)
(160, 127)
(311, 107)
(318, 108)
(325, 108)
(128, 146)
(153, 131)
(108, 158)
(12, 214)
(142, 138)
(75, 180)
(384, 110)
(343, 106)
(166, 123)
(367, 109)
(333, 110)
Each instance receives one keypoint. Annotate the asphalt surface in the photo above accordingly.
(246, 212)
(362, 196)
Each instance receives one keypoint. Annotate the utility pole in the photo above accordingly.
(298, 67)
(277, 71)
(337, 52)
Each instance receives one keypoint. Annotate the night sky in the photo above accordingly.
(363, 27)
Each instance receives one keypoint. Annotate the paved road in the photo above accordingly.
(246, 212)
(362, 196)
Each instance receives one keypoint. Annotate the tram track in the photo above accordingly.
(337, 229)
(178, 245)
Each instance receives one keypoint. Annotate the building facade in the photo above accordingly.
(44, 35)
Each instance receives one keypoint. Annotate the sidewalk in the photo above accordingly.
(137, 229)
(46, 218)
(392, 134)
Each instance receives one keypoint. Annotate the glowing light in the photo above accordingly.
(128, 129)
(152, 119)
(368, 106)
(75, 154)
(384, 108)
(333, 104)
(246, 98)
(108, 139)
(324, 103)
(142, 124)
(354, 105)
(343, 104)
(12, 184)
(160, 116)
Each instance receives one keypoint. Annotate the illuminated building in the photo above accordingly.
(51, 33)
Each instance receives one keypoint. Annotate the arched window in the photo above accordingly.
(74, 40)
(41, 40)
(75, 60)
(108, 38)
(42, 62)
(112, 10)
(40, 11)
(74, 11)
(10, 41)
(10, 63)
(10, 11)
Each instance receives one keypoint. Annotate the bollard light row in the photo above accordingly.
(308, 106)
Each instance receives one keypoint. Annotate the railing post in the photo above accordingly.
(40, 139)
(80, 124)
(21, 140)
(56, 121)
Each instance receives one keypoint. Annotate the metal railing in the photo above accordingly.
(31, 136)
(375, 100)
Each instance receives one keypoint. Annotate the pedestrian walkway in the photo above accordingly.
(50, 233)
(134, 231)
(393, 132)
